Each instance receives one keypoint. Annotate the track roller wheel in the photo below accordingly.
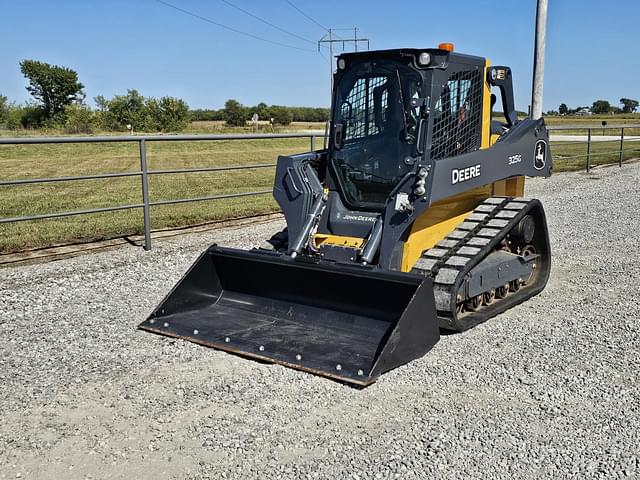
(489, 297)
(473, 304)
(501, 292)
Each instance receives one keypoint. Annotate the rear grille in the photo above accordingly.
(457, 127)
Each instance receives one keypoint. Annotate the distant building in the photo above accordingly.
(583, 111)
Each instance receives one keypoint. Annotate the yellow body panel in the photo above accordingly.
(511, 187)
(486, 109)
(443, 216)
(438, 220)
(352, 242)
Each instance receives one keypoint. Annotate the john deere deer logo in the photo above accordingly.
(540, 155)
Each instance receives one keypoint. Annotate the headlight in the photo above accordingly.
(424, 58)
(342, 63)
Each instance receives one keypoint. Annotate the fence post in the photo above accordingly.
(145, 195)
(589, 150)
(313, 143)
(621, 146)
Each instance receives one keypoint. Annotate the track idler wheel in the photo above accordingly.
(525, 229)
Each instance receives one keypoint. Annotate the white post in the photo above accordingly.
(538, 60)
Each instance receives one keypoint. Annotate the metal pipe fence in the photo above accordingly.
(144, 172)
(592, 139)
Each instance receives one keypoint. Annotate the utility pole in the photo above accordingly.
(538, 60)
(329, 38)
(330, 62)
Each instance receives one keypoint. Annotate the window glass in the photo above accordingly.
(378, 129)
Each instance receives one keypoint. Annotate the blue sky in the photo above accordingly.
(593, 49)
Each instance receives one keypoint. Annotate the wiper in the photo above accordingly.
(407, 137)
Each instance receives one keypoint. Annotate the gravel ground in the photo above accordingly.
(548, 389)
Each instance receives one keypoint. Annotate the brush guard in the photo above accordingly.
(347, 322)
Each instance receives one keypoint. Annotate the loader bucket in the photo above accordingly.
(347, 322)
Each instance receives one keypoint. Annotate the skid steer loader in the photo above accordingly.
(412, 220)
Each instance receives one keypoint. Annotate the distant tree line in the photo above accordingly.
(59, 102)
(135, 112)
(236, 114)
(598, 107)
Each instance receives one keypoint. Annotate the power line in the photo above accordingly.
(267, 22)
(324, 56)
(330, 40)
(305, 15)
(251, 35)
(334, 30)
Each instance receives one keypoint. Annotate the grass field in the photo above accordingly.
(263, 127)
(589, 120)
(203, 127)
(569, 156)
(586, 121)
(37, 161)
(86, 159)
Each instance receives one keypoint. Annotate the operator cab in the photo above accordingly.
(375, 125)
(393, 109)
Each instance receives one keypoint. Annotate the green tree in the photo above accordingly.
(31, 117)
(563, 109)
(4, 109)
(123, 110)
(235, 114)
(628, 105)
(53, 86)
(79, 119)
(207, 115)
(600, 106)
(281, 115)
(102, 103)
(262, 110)
(14, 118)
(101, 115)
(169, 114)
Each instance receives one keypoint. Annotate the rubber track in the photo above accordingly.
(452, 258)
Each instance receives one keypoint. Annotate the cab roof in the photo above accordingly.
(437, 54)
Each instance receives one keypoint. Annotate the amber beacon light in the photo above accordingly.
(446, 46)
